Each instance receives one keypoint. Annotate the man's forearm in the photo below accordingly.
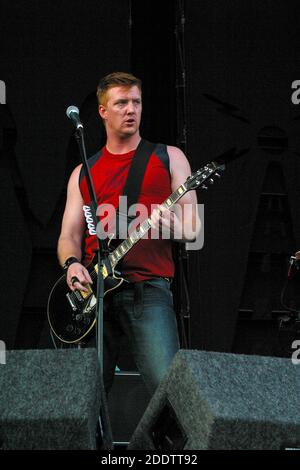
(66, 248)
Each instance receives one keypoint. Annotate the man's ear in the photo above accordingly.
(102, 111)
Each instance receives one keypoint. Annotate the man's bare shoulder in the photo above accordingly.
(73, 183)
(74, 177)
(175, 153)
(178, 161)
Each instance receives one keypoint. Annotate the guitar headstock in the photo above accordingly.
(204, 175)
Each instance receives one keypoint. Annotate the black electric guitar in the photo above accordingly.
(72, 315)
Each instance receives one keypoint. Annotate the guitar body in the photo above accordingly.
(72, 315)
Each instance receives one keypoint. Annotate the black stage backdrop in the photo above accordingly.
(241, 60)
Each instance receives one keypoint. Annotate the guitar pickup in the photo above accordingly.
(73, 306)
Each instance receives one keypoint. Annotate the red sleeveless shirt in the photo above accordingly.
(148, 258)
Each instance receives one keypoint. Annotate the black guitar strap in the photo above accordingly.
(133, 184)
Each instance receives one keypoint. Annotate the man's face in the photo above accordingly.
(122, 111)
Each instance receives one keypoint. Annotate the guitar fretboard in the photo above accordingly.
(137, 234)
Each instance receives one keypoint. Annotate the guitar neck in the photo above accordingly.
(137, 234)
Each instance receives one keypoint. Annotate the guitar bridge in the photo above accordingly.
(78, 296)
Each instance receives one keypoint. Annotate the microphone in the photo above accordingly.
(73, 114)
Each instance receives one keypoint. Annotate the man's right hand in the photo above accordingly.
(78, 277)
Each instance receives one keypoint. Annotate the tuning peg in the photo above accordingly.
(211, 181)
(203, 187)
(218, 175)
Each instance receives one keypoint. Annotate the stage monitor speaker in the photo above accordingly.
(49, 399)
(127, 402)
(211, 400)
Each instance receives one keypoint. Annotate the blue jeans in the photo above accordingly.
(143, 311)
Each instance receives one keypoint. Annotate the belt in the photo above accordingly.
(130, 285)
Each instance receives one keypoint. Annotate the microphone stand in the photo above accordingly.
(103, 252)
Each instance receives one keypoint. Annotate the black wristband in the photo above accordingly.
(68, 263)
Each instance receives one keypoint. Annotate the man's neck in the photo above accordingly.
(119, 146)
